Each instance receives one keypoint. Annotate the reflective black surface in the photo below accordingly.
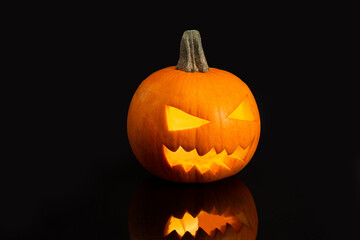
(94, 203)
(70, 171)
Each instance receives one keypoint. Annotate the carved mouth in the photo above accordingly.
(211, 161)
(208, 222)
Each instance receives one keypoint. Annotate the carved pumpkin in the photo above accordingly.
(218, 210)
(192, 123)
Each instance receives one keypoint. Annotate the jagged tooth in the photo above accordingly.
(242, 217)
(204, 168)
(207, 207)
(246, 151)
(169, 155)
(223, 165)
(236, 225)
(193, 151)
(225, 151)
(210, 153)
(169, 150)
(177, 214)
(193, 154)
(240, 153)
(214, 211)
(221, 209)
(229, 161)
(177, 168)
(186, 149)
(188, 235)
(214, 167)
(187, 166)
(213, 152)
(238, 150)
(197, 152)
(222, 154)
(173, 235)
(218, 235)
(179, 149)
(194, 211)
(222, 228)
(230, 232)
(201, 234)
(220, 160)
(228, 212)
(194, 171)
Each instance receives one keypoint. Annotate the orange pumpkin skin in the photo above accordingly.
(212, 96)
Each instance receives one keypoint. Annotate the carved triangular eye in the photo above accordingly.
(244, 111)
(180, 120)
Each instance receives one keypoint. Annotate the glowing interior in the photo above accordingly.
(180, 120)
(209, 222)
(243, 111)
(211, 161)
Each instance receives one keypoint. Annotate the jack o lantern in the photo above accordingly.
(192, 123)
(220, 210)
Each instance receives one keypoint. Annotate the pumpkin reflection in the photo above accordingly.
(169, 211)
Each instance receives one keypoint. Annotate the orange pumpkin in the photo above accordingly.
(221, 210)
(192, 123)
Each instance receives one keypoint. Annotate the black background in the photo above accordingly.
(73, 70)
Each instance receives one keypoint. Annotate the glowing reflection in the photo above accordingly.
(166, 210)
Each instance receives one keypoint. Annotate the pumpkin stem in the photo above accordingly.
(192, 57)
